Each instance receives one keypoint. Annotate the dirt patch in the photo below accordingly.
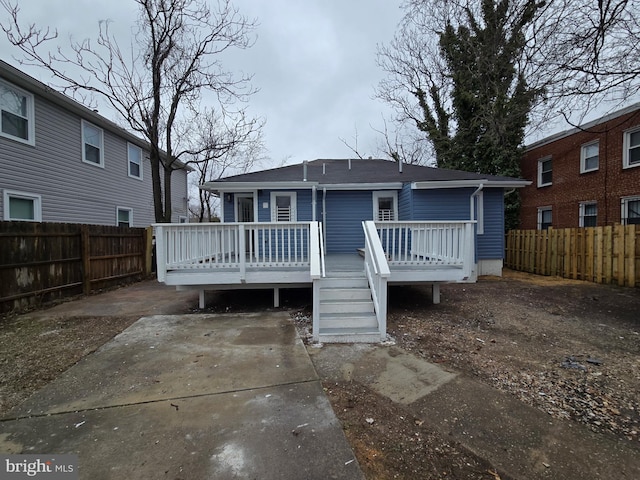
(570, 349)
(37, 350)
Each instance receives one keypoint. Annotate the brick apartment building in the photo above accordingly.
(586, 176)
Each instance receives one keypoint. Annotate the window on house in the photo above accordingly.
(544, 218)
(631, 211)
(590, 157)
(16, 114)
(22, 206)
(135, 161)
(544, 172)
(283, 207)
(92, 141)
(124, 217)
(631, 153)
(588, 214)
(385, 206)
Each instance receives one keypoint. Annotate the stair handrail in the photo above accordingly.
(376, 269)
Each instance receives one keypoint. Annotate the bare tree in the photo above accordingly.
(405, 144)
(577, 54)
(158, 87)
(234, 145)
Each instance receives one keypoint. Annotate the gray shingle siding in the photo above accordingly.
(74, 191)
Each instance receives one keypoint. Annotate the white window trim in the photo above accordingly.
(234, 198)
(37, 205)
(544, 209)
(583, 206)
(540, 162)
(130, 210)
(132, 145)
(624, 208)
(583, 158)
(385, 193)
(294, 205)
(31, 116)
(183, 219)
(84, 159)
(625, 148)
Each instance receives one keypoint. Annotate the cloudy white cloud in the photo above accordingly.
(314, 63)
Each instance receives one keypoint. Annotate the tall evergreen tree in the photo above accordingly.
(475, 103)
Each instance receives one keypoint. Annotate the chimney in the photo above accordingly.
(304, 171)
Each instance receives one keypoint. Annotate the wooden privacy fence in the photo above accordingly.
(596, 254)
(41, 262)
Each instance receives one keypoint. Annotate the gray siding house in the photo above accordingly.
(62, 162)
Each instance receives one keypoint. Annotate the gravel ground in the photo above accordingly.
(570, 349)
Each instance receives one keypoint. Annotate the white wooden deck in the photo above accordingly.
(222, 256)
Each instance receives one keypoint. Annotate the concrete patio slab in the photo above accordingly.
(190, 396)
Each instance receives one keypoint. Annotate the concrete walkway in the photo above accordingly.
(231, 396)
(522, 442)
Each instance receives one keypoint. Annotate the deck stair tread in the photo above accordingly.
(347, 312)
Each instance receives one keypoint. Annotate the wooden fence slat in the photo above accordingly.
(41, 262)
(608, 254)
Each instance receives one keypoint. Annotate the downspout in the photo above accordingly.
(474, 195)
(324, 216)
(313, 203)
(479, 230)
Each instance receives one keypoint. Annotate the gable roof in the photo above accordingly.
(359, 174)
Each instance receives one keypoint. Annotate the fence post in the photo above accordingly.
(148, 250)
(86, 259)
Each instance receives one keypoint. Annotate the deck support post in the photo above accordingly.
(435, 290)
(276, 297)
(201, 300)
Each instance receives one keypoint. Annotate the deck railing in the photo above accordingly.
(428, 243)
(207, 246)
(377, 271)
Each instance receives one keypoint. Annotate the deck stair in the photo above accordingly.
(346, 310)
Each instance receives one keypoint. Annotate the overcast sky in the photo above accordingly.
(314, 63)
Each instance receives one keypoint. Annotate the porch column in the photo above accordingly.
(276, 297)
(202, 302)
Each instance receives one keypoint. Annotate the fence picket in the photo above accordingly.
(608, 254)
(42, 262)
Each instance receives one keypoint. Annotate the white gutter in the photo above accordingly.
(469, 183)
(222, 187)
(363, 186)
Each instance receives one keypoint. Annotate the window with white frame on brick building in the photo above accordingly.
(630, 214)
(544, 172)
(589, 157)
(588, 214)
(544, 218)
(631, 151)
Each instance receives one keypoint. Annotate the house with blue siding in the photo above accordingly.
(63, 162)
(348, 228)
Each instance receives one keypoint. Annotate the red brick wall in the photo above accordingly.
(570, 187)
